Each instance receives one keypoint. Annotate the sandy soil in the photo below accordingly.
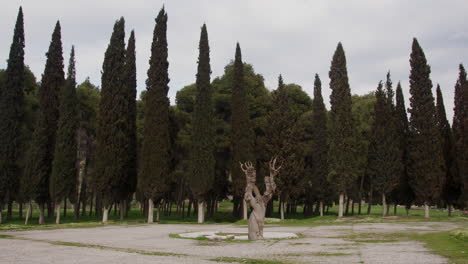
(347, 243)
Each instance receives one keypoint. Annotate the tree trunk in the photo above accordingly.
(321, 208)
(347, 205)
(57, 208)
(10, 209)
(1, 210)
(359, 206)
(340, 208)
(352, 207)
(122, 210)
(384, 205)
(65, 207)
(41, 213)
(20, 210)
(150, 211)
(449, 209)
(244, 209)
(28, 212)
(426, 209)
(189, 208)
(158, 212)
(282, 209)
(369, 203)
(395, 209)
(105, 214)
(201, 211)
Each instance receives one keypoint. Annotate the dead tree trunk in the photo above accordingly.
(257, 201)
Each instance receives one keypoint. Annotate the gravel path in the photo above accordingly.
(348, 243)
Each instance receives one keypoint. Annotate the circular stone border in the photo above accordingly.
(215, 235)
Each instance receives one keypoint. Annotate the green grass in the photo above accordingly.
(246, 260)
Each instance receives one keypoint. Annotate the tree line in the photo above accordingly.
(100, 148)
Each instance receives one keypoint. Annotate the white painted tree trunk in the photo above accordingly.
(384, 205)
(105, 214)
(244, 209)
(426, 210)
(321, 208)
(57, 209)
(340, 208)
(282, 210)
(41, 214)
(150, 211)
(28, 212)
(201, 211)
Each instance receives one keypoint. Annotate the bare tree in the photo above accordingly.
(257, 201)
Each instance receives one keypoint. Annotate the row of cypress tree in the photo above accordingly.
(421, 160)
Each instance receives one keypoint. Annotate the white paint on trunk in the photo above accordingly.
(28, 212)
(201, 211)
(150, 211)
(340, 208)
(384, 205)
(426, 210)
(321, 208)
(282, 210)
(41, 214)
(57, 209)
(244, 209)
(105, 214)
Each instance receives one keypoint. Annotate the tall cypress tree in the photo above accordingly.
(156, 153)
(129, 185)
(426, 158)
(11, 113)
(63, 177)
(241, 133)
(342, 151)
(403, 194)
(460, 133)
(112, 141)
(319, 144)
(385, 164)
(202, 156)
(41, 153)
(451, 190)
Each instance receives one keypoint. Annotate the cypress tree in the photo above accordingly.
(426, 160)
(451, 190)
(129, 186)
(112, 141)
(342, 158)
(460, 133)
(11, 113)
(202, 156)
(241, 134)
(41, 153)
(384, 164)
(156, 153)
(63, 177)
(319, 144)
(403, 193)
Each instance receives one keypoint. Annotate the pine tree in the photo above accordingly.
(342, 150)
(426, 158)
(112, 141)
(11, 114)
(460, 134)
(319, 144)
(241, 134)
(451, 190)
(403, 194)
(154, 165)
(63, 177)
(129, 186)
(41, 153)
(202, 156)
(385, 159)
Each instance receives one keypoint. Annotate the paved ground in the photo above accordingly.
(350, 243)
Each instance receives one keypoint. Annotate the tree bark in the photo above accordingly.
(244, 209)
(122, 210)
(384, 205)
(282, 209)
(158, 212)
(395, 209)
(150, 211)
(426, 209)
(340, 208)
(321, 208)
(10, 209)
(1, 210)
(105, 214)
(41, 213)
(449, 209)
(201, 211)
(20, 210)
(28, 212)
(57, 208)
(64, 207)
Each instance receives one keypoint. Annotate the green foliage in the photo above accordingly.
(12, 114)
(426, 168)
(40, 155)
(202, 152)
(63, 176)
(342, 152)
(154, 165)
(112, 141)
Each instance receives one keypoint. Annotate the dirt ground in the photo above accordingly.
(347, 243)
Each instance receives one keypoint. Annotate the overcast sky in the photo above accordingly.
(296, 38)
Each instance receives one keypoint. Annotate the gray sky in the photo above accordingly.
(296, 38)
